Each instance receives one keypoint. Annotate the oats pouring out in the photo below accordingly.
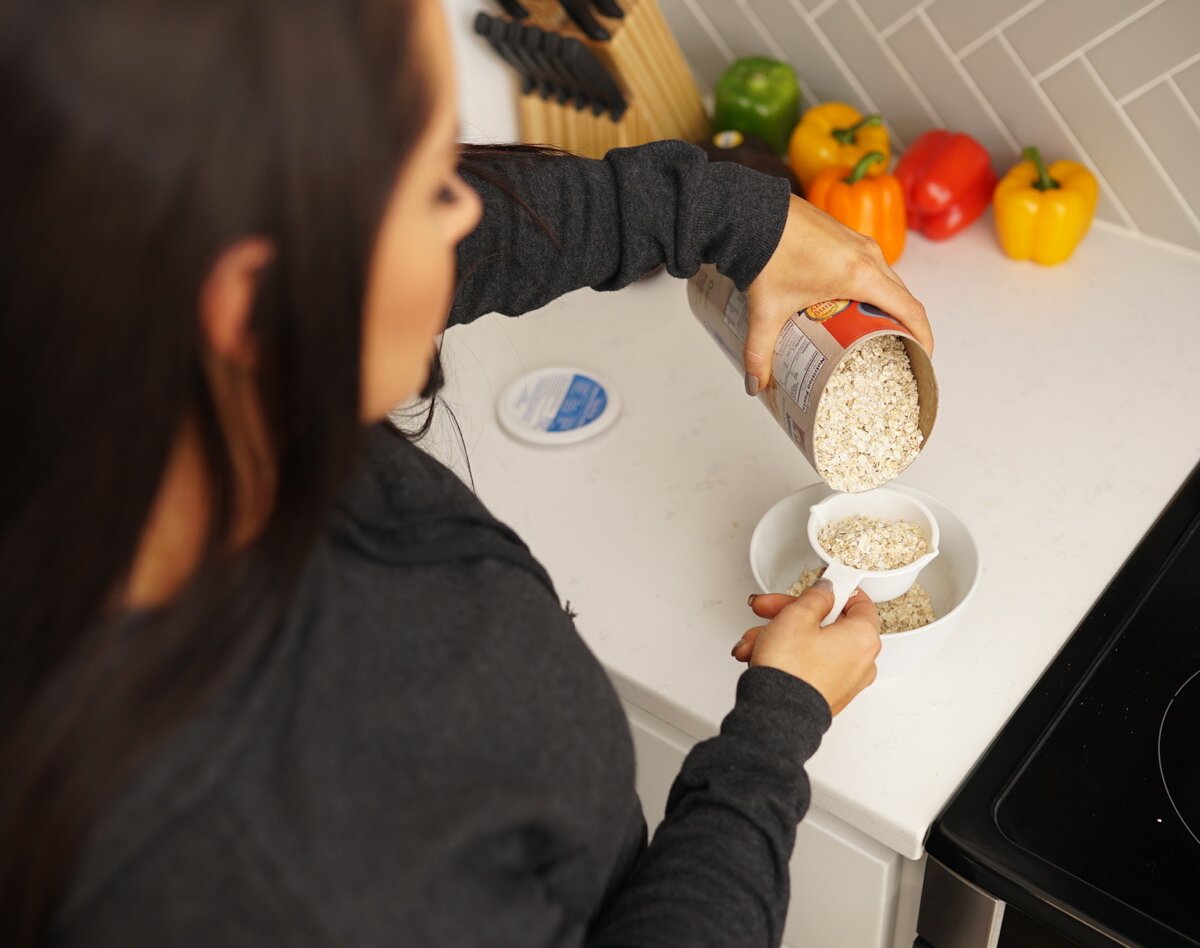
(867, 428)
(849, 384)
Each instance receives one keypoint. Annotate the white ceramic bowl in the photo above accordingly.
(780, 552)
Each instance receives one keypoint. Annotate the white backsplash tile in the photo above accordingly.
(822, 78)
(1051, 33)
(1114, 84)
(890, 90)
(707, 58)
(1161, 116)
(1188, 81)
(949, 89)
(885, 13)
(1171, 30)
(964, 22)
(733, 26)
(1100, 125)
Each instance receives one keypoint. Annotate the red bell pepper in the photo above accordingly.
(947, 179)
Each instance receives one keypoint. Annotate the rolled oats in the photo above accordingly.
(866, 429)
(873, 543)
(902, 614)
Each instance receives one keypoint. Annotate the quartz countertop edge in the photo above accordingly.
(1069, 414)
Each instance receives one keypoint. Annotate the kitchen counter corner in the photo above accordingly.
(1070, 401)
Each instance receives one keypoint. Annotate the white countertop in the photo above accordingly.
(1070, 412)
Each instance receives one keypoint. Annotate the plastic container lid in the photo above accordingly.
(558, 405)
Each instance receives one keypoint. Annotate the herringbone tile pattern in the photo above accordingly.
(1112, 83)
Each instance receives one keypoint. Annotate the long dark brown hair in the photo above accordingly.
(140, 139)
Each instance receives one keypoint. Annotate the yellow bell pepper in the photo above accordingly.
(836, 135)
(1042, 213)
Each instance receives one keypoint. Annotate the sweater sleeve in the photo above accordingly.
(717, 870)
(555, 223)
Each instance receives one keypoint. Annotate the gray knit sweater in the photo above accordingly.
(428, 754)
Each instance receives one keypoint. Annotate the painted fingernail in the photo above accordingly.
(824, 584)
(751, 598)
(751, 384)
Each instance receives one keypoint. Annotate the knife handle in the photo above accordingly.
(581, 13)
(514, 9)
(535, 43)
(511, 35)
(593, 77)
(609, 8)
(494, 30)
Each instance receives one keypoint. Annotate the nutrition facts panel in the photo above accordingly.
(798, 357)
(736, 317)
(801, 362)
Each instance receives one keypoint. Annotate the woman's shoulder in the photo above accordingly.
(405, 508)
(397, 485)
(395, 477)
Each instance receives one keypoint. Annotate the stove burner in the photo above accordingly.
(1179, 753)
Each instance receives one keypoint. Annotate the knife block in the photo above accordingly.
(578, 128)
(646, 62)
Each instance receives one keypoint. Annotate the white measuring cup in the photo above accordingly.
(884, 504)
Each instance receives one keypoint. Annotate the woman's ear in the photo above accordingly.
(227, 299)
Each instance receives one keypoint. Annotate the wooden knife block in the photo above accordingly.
(645, 61)
(578, 130)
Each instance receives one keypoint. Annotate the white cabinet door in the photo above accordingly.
(844, 887)
(844, 884)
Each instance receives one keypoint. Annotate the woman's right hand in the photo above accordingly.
(817, 259)
(838, 660)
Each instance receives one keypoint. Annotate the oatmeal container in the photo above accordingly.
(810, 348)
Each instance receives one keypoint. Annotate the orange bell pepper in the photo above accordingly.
(871, 206)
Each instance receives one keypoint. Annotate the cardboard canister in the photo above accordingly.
(811, 346)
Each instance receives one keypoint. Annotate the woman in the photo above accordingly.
(271, 675)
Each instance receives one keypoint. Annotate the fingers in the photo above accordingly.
(759, 349)
(892, 296)
(769, 605)
(886, 290)
(870, 280)
(818, 258)
(860, 606)
(745, 645)
(812, 605)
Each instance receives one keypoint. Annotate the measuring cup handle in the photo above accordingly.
(845, 580)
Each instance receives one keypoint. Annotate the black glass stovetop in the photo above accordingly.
(1085, 812)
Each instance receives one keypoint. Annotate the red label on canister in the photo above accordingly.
(853, 320)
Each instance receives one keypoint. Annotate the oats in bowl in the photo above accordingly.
(902, 614)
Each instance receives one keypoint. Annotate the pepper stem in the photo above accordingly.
(865, 162)
(846, 136)
(1044, 182)
(758, 81)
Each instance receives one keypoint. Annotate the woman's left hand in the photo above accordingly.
(820, 259)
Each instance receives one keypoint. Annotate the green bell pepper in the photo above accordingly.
(758, 96)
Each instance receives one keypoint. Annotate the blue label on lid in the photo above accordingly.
(584, 402)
